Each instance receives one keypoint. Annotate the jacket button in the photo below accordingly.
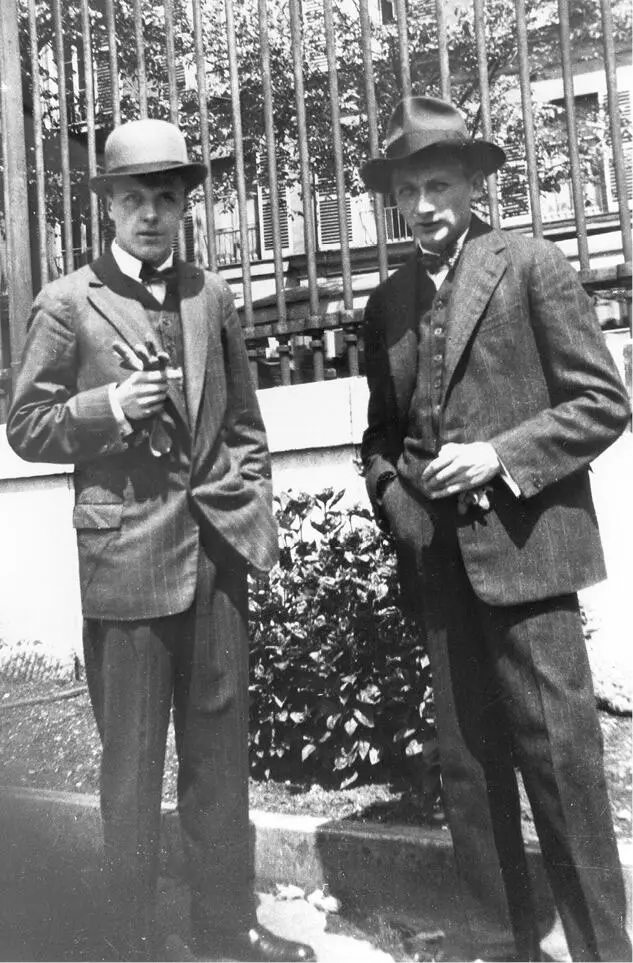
(538, 481)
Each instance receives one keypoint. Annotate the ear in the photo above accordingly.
(108, 205)
(478, 185)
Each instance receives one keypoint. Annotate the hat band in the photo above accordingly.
(147, 168)
(410, 143)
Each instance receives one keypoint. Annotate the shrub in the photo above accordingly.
(340, 684)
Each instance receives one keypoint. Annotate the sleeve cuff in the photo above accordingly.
(125, 428)
(507, 478)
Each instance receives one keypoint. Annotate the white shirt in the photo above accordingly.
(438, 277)
(131, 266)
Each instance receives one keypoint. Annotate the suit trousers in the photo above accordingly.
(197, 662)
(513, 690)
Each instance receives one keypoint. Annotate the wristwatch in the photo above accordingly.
(382, 482)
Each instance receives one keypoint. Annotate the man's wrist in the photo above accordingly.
(125, 427)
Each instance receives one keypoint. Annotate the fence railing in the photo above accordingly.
(295, 93)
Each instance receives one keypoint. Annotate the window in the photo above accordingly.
(387, 11)
(395, 224)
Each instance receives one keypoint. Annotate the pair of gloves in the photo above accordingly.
(146, 357)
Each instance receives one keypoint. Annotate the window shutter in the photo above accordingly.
(103, 84)
(266, 211)
(512, 180)
(624, 104)
(327, 217)
(190, 247)
(266, 214)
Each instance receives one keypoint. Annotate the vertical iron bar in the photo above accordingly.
(63, 138)
(203, 106)
(280, 327)
(20, 288)
(372, 122)
(528, 117)
(170, 46)
(442, 42)
(140, 56)
(38, 145)
(306, 183)
(614, 125)
(239, 161)
(114, 63)
(172, 90)
(572, 134)
(347, 315)
(403, 47)
(484, 90)
(90, 122)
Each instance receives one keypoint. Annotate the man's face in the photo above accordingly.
(435, 198)
(146, 213)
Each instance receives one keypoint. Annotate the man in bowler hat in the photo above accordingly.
(491, 391)
(135, 371)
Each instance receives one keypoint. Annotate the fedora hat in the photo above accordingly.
(147, 147)
(419, 123)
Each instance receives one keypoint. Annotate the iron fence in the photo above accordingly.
(298, 98)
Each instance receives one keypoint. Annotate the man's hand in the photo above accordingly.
(458, 468)
(142, 394)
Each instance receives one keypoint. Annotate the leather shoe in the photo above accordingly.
(259, 945)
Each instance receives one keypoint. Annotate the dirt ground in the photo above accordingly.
(55, 745)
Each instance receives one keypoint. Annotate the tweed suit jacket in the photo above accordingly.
(526, 369)
(139, 518)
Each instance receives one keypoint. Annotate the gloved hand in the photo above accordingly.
(146, 357)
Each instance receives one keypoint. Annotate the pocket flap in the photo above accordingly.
(97, 516)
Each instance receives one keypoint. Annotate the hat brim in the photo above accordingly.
(483, 155)
(192, 174)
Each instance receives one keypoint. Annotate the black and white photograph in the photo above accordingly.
(316, 455)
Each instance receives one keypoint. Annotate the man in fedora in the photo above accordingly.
(491, 391)
(135, 371)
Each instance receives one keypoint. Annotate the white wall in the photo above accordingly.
(39, 579)
(314, 433)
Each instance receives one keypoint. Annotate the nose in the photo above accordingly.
(150, 209)
(423, 203)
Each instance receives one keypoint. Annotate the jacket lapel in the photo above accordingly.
(478, 273)
(196, 335)
(125, 315)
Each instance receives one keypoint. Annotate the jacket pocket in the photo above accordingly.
(97, 516)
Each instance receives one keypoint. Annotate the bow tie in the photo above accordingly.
(434, 262)
(151, 275)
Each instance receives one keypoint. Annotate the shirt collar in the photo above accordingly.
(130, 265)
(459, 243)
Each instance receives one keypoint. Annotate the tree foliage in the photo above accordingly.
(502, 58)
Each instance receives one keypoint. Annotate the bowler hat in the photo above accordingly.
(147, 147)
(419, 123)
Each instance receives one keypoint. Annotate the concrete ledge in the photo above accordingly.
(377, 866)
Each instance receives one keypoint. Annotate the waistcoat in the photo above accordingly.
(423, 437)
